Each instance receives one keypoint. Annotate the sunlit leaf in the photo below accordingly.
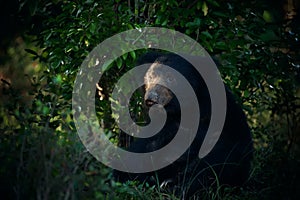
(204, 8)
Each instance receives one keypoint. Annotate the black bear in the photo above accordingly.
(228, 162)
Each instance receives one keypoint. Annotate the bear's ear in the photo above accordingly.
(149, 57)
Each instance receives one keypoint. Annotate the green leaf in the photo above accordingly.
(93, 27)
(204, 8)
(119, 62)
(124, 56)
(221, 45)
(164, 22)
(58, 79)
(220, 14)
(207, 35)
(199, 5)
(246, 94)
(133, 55)
(214, 3)
(45, 110)
(267, 16)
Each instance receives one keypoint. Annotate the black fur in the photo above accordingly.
(230, 158)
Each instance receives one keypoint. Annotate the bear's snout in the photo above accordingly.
(157, 94)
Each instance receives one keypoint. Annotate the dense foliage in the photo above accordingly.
(42, 156)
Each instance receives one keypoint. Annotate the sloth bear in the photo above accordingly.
(229, 160)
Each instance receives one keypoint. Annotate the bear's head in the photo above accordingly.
(158, 76)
